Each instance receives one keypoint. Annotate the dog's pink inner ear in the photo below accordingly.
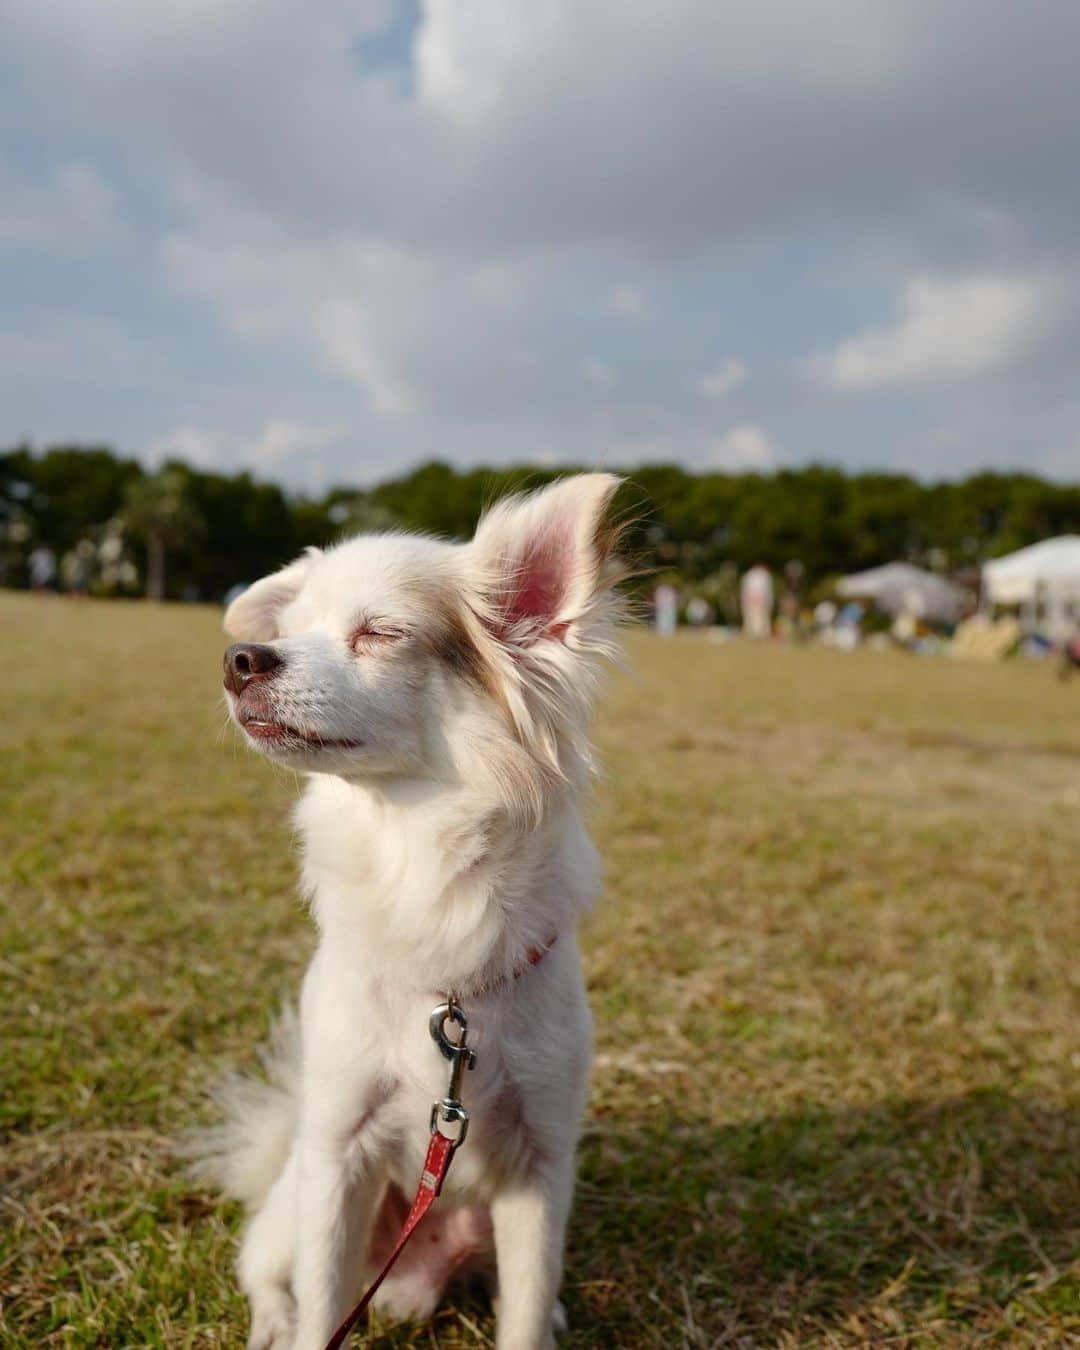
(538, 558)
(539, 579)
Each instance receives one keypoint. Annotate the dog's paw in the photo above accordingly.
(559, 1323)
(272, 1323)
(408, 1298)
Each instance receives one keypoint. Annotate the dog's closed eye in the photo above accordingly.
(369, 637)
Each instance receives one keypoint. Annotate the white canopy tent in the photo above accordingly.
(1044, 580)
(900, 588)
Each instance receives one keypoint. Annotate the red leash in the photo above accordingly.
(440, 1153)
(441, 1149)
(436, 1165)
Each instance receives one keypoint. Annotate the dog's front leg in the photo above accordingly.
(335, 1204)
(530, 1226)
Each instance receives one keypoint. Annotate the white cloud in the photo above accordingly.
(500, 284)
(358, 303)
(61, 345)
(72, 209)
(467, 56)
(948, 330)
(225, 451)
(477, 60)
(744, 447)
(1063, 462)
(281, 438)
(200, 448)
(533, 125)
(724, 379)
(543, 182)
(628, 301)
(424, 336)
(349, 338)
(598, 373)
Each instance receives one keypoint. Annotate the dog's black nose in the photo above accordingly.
(247, 661)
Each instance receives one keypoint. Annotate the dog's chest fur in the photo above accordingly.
(414, 897)
(435, 891)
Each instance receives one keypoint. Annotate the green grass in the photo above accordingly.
(834, 976)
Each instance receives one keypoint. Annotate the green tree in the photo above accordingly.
(215, 530)
(159, 512)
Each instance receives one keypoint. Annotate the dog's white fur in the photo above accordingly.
(441, 843)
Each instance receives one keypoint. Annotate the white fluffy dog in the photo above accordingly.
(438, 695)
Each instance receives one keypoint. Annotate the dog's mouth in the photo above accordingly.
(272, 734)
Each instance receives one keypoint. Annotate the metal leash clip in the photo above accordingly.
(449, 1111)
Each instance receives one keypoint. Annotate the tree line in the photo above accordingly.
(179, 532)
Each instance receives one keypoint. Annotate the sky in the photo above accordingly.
(328, 241)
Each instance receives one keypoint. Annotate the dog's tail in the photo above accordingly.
(244, 1154)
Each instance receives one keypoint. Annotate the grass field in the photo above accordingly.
(834, 974)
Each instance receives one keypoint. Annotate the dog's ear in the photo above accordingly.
(253, 615)
(539, 558)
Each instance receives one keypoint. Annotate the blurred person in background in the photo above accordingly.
(665, 609)
(78, 568)
(1070, 656)
(791, 602)
(756, 598)
(43, 569)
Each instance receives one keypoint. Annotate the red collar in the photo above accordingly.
(533, 957)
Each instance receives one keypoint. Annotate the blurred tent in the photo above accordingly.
(1044, 580)
(899, 588)
(1015, 579)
